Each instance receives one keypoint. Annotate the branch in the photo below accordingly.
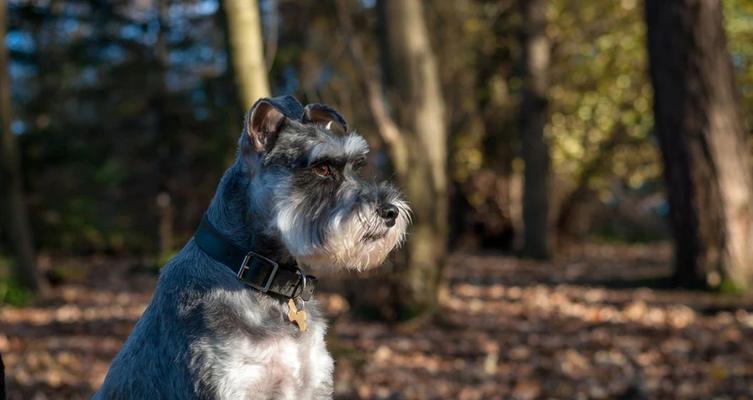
(388, 129)
(604, 153)
(272, 42)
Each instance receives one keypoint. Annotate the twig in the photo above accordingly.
(388, 129)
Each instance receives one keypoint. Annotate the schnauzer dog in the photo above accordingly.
(232, 316)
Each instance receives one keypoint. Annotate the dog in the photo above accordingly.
(233, 315)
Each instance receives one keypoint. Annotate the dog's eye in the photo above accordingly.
(358, 164)
(322, 169)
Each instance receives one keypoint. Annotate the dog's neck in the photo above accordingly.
(232, 216)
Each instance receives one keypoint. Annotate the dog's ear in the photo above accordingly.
(263, 124)
(326, 116)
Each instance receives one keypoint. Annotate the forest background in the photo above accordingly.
(580, 174)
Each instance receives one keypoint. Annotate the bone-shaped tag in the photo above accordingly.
(294, 315)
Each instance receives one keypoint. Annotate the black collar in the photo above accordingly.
(253, 269)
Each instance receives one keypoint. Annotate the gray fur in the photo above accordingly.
(207, 336)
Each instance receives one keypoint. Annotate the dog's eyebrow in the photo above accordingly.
(339, 149)
(354, 146)
(337, 161)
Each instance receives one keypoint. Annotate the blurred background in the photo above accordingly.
(580, 173)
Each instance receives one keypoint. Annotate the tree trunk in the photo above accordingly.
(535, 152)
(247, 49)
(707, 166)
(421, 119)
(15, 223)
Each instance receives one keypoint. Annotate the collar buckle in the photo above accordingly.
(245, 267)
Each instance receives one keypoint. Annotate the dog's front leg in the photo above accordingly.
(321, 370)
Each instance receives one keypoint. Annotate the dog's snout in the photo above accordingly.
(389, 213)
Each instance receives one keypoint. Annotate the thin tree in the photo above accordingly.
(415, 136)
(15, 223)
(247, 49)
(535, 46)
(421, 120)
(699, 126)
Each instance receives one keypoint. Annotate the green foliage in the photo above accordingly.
(739, 24)
(108, 120)
(10, 291)
(600, 89)
(728, 286)
(13, 294)
(68, 271)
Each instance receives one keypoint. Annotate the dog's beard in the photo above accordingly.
(362, 240)
(353, 238)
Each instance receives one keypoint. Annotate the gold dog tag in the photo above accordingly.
(299, 317)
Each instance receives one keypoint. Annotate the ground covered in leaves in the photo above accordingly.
(578, 327)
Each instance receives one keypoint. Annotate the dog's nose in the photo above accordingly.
(389, 213)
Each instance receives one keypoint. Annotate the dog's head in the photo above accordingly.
(306, 188)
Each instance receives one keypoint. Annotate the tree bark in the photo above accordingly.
(707, 166)
(15, 222)
(421, 120)
(247, 49)
(535, 152)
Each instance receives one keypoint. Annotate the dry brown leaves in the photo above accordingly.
(509, 329)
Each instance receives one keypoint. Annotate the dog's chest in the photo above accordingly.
(285, 364)
(287, 367)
